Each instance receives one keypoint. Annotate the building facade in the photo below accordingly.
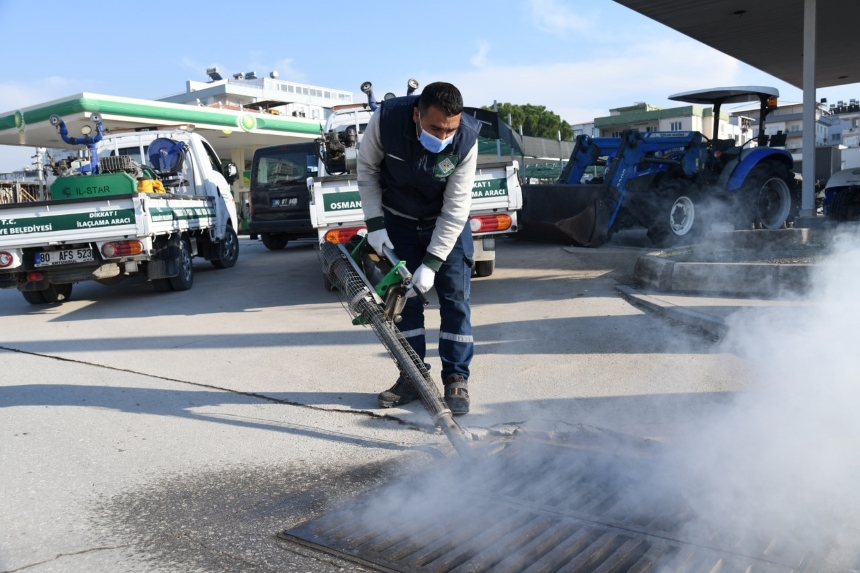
(267, 94)
(647, 117)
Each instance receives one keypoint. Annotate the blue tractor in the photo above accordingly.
(675, 184)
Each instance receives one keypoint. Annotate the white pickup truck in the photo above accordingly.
(126, 219)
(335, 205)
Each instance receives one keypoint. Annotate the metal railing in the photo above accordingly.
(19, 192)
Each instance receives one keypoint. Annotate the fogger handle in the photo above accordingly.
(404, 272)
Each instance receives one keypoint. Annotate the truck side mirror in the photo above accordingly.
(231, 173)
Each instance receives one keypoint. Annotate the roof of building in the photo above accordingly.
(654, 114)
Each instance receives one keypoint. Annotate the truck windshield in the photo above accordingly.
(284, 168)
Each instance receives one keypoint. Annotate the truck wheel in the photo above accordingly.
(327, 284)
(846, 206)
(677, 221)
(33, 296)
(768, 186)
(275, 241)
(57, 293)
(484, 268)
(185, 279)
(228, 250)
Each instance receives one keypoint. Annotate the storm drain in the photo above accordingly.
(543, 508)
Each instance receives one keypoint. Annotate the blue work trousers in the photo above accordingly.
(456, 347)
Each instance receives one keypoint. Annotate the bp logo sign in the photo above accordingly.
(19, 121)
(247, 122)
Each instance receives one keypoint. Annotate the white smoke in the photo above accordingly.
(774, 469)
(784, 458)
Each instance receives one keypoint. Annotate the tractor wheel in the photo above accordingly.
(57, 293)
(769, 194)
(275, 241)
(678, 218)
(228, 250)
(846, 206)
(185, 279)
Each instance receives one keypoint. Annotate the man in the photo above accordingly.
(416, 169)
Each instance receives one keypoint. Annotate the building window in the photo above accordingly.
(675, 126)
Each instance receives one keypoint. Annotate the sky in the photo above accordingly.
(579, 58)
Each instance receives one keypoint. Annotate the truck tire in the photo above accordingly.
(846, 206)
(52, 294)
(768, 193)
(275, 241)
(228, 250)
(33, 296)
(678, 218)
(327, 284)
(484, 268)
(57, 293)
(185, 279)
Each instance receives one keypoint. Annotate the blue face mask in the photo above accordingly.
(430, 142)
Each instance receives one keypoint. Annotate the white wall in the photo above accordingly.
(850, 157)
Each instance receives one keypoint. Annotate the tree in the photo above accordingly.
(537, 120)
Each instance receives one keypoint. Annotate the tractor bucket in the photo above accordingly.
(565, 214)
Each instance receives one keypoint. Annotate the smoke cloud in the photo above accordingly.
(771, 474)
(783, 459)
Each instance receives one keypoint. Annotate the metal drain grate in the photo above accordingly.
(548, 509)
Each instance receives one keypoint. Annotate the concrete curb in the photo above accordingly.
(666, 275)
(713, 326)
(660, 272)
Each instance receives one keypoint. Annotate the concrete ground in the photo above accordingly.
(144, 431)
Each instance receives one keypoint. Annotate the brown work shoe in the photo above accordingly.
(401, 393)
(457, 394)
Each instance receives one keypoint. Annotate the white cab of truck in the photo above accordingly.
(335, 204)
(133, 217)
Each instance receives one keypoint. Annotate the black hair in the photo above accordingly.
(442, 95)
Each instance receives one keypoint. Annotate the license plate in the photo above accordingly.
(64, 257)
(285, 202)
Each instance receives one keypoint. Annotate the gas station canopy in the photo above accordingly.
(768, 34)
(225, 129)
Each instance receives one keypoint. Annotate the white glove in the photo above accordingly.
(379, 239)
(422, 280)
